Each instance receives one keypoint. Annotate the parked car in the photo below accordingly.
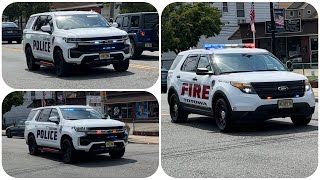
(164, 74)
(11, 32)
(143, 30)
(16, 129)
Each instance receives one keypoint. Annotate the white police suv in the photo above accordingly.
(73, 129)
(237, 83)
(68, 38)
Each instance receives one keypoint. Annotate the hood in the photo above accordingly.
(263, 76)
(96, 123)
(93, 32)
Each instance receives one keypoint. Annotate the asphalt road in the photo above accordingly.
(16, 74)
(139, 161)
(277, 149)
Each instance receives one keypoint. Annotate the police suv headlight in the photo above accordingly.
(125, 37)
(244, 87)
(307, 85)
(80, 129)
(71, 40)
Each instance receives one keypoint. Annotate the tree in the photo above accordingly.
(183, 24)
(12, 99)
(136, 7)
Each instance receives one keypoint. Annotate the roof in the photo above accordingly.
(60, 13)
(296, 5)
(225, 51)
(63, 106)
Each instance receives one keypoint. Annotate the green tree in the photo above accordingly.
(12, 99)
(183, 24)
(136, 7)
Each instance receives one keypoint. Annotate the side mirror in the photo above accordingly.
(54, 119)
(114, 24)
(203, 71)
(46, 28)
(289, 65)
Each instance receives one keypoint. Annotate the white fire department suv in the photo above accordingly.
(68, 38)
(237, 85)
(72, 129)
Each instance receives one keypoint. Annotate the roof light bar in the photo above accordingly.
(219, 46)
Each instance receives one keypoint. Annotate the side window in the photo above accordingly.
(41, 21)
(176, 62)
(119, 21)
(125, 21)
(134, 21)
(190, 64)
(29, 23)
(44, 115)
(54, 112)
(31, 115)
(204, 62)
(50, 22)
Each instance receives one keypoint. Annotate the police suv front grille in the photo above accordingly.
(105, 128)
(89, 49)
(293, 89)
(85, 140)
(100, 38)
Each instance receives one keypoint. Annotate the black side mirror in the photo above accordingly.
(203, 71)
(289, 65)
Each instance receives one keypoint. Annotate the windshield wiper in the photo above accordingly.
(267, 70)
(73, 119)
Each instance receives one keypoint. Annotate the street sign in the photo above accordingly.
(290, 26)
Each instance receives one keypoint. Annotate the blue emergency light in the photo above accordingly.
(219, 46)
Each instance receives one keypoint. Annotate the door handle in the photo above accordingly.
(195, 79)
(178, 76)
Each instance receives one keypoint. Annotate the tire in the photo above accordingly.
(32, 145)
(222, 115)
(8, 133)
(60, 65)
(68, 151)
(178, 115)
(135, 52)
(31, 61)
(117, 154)
(19, 41)
(301, 120)
(122, 66)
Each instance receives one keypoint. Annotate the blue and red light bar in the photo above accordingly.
(220, 46)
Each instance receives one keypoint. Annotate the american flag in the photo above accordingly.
(280, 21)
(252, 16)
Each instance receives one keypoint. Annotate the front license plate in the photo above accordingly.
(109, 144)
(104, 56)
(285, 103)
(148, 45)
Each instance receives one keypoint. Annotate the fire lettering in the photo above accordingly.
(195, 90)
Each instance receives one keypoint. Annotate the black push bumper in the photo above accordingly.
(266, 112)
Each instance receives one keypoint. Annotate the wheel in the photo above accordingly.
(10, 42)
(19, 41)
(32, 145)
(122, 66)
(222, 115)
(176, 112)
(61, 67)
(8, 133)
(135, 52)
(117, 154)
(301, 120)
(68, 151)
(31, 61)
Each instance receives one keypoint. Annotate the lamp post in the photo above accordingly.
(273, 29)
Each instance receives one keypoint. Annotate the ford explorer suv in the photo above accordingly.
(70, 38)
(72, 129)
(237, 84)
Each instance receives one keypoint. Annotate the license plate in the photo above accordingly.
(148, 45)
(285, 103)
(104, 56)
(109, 144)
(10, 32)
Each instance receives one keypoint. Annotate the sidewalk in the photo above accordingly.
(315, 91)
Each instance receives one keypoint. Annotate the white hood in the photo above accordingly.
(263, 76)
(92, 32)
(96, 123)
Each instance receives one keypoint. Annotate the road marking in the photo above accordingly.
(164, 114)
(139, 66)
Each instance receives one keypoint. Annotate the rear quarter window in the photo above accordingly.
(31, 115)
(176, 62)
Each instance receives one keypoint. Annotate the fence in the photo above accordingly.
(307, 69)
(145, 127)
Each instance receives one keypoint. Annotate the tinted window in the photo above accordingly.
(9, 25)
(176, 62)
(41, 21)
(119, 21)
(135, 21)
(125, 21)
(150, 20)
(21, 123)
(29, 23)
(44, 115)
(81, 21)
(190, 64)
(204, 62)
(31, 115)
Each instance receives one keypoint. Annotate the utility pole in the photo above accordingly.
(273, 29)
(112, 5)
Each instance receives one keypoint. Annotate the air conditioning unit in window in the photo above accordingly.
(241, 21)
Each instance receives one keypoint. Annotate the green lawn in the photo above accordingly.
(312, 78)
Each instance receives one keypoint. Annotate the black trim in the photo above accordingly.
(197, 109)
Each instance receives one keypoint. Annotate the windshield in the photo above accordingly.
(242, 62)
(9, 25)
(80, 113)
(81, 21)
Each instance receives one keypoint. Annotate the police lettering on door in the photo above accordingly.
(41, 45)
(43, 134)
